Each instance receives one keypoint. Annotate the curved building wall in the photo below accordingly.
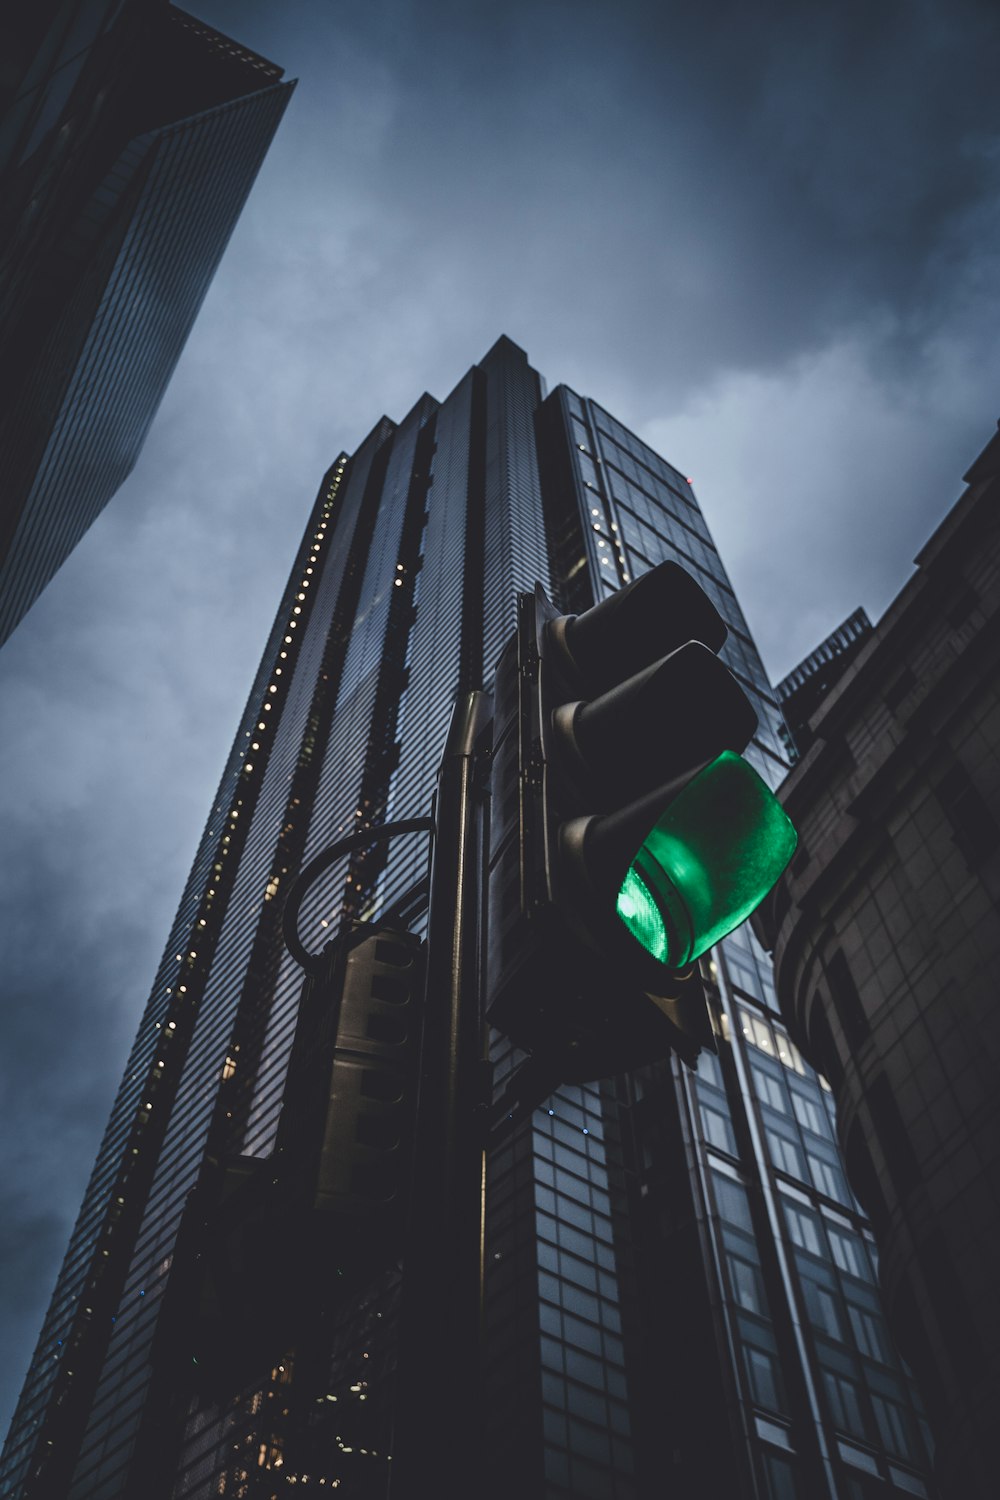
(887, 950)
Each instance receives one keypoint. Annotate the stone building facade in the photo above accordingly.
(886, 939)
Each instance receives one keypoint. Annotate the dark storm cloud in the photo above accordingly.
(764, 235)
(70, 951)
(738, 212)
(776, 170)
(649, 198)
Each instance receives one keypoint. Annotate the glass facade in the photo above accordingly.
(124, 223)
(680, 1287)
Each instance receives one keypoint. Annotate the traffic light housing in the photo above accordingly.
(348, 1116)
(627, 834)
(270, 1245)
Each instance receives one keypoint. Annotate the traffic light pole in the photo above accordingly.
(438, 1393)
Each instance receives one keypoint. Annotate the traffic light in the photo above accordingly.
(627, 834)
(363, 1170)
(270, 1245)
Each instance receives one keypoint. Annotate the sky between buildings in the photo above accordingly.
(764, 236)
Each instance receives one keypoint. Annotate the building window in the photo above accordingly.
(823, 1048)
(973, 825)
(868, 1333)
(864, 1179)
(827, 1178)
(897, 691)
(747, 1288)
(846, 1000)
(848, 1254)
(785, 1155)
(808, 1113)
(731, 1199)
(892, 1426)
(803, 1228)
(762, 1371)
(822, 1308)
(780, 1478)
(756, 1031)
(770, 1090)
(718, 1131)
(845, 1408)
(892, 1136)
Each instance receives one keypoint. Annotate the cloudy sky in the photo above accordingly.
(765, 236)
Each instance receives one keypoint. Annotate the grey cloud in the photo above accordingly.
(775, 170)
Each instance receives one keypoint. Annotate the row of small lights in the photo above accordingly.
(229, 1065)
(312, 559)
(622, 443)
(358, 812)
(189, 959)
(614, 526)
(605, 556)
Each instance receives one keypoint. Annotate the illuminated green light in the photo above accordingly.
(641, 915)
(709, 861)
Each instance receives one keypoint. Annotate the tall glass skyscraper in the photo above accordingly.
(681, 1294)
(127, 151)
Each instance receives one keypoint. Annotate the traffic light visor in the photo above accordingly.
(708, 862)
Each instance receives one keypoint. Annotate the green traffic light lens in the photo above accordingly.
(641, 915)
(709, 861)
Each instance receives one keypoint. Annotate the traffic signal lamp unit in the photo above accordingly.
(627, 834)
(269, 1245)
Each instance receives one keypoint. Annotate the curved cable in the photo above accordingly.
(293, 902)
